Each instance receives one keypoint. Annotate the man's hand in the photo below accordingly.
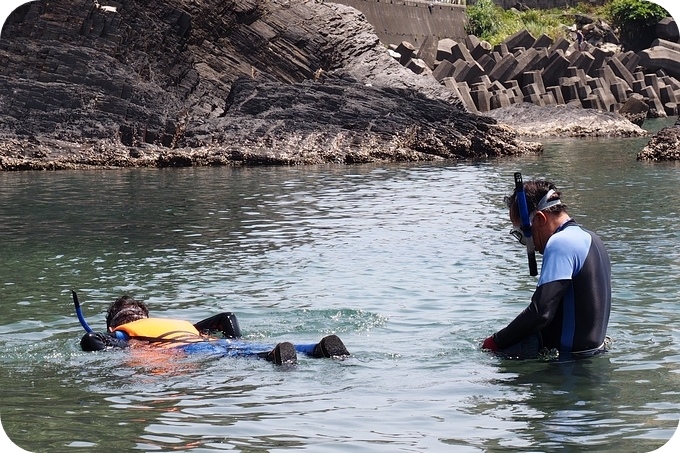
(490, 344)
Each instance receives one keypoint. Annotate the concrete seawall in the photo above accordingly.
(396, 21)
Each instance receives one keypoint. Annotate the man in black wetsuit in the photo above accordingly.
(570, 308)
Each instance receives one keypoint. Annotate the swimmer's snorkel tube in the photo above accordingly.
(526, 223)
(79, 313)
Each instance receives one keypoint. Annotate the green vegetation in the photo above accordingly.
(636, 21)
(632, 17)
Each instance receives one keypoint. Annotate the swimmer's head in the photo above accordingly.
(125, 309)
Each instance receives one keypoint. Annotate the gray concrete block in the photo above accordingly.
(584, 61)
(485, 80)
(607, 75)
(465, 96)
(667, 29)
(619, 92)
(620, 70)
(559, 44)
(671, 109)
(596, 83)
(474, 73)
(525, 62)
(543, 41)
(630, 60)
(607, 100)
(482, 100)
(417, 66)
(573, 56)
(634, 106)
(651, 80)
(573, 71)
(460, 52)
(652, 100)
(428, 51)
(639, 86)
(502, 49)
(555, 70)
(520, 39)
(506, 64)
(599, 56)
(535, 99)
(536, 77)
(407, 51)
(667, 94)
(500, 100)
(496, 86)
(532, 88)
(556, 93)
(591, 102)
(480, 50)
(443, 70)
(548, 99)
(471, 41)
(444, 49)
(667, 44)
(453, 86)
(460, 70)
(486, 62)
(672, 81)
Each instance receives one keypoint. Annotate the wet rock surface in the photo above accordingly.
(664, 146)
(565, 121)
(242, 82)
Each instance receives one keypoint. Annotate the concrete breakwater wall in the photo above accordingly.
(396, 21)
(430, 37)
(546, 72)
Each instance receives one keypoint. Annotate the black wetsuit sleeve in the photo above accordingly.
(544, 305)
(95, 341)
(224, 322)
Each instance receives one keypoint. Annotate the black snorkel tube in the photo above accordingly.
(526, 223)
(79, 313)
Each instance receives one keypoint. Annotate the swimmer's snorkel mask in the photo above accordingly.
(523, 234)
(526, 225)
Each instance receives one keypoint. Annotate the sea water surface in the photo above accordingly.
(410, 264)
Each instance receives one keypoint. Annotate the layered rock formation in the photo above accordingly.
(219, 82)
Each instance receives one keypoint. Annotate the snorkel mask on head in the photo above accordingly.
(526, 223)
(518, 233)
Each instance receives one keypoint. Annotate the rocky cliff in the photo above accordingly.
(219, 82)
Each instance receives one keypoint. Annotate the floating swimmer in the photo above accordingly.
(127, 320)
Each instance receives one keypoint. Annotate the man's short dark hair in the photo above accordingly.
(125, 309)
(534, 190)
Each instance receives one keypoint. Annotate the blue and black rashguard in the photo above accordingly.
(571, 305)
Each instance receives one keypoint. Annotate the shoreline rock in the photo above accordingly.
(663, 146)
(530, 120)
(241, 82)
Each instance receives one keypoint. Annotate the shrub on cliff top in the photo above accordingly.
(484, 19)
(636, 21)
(492, 23)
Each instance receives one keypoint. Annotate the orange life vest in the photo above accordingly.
(161, 330)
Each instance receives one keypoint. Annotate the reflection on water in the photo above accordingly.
(410, 264)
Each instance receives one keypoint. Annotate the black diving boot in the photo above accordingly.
(283, 353)
(330, 346)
